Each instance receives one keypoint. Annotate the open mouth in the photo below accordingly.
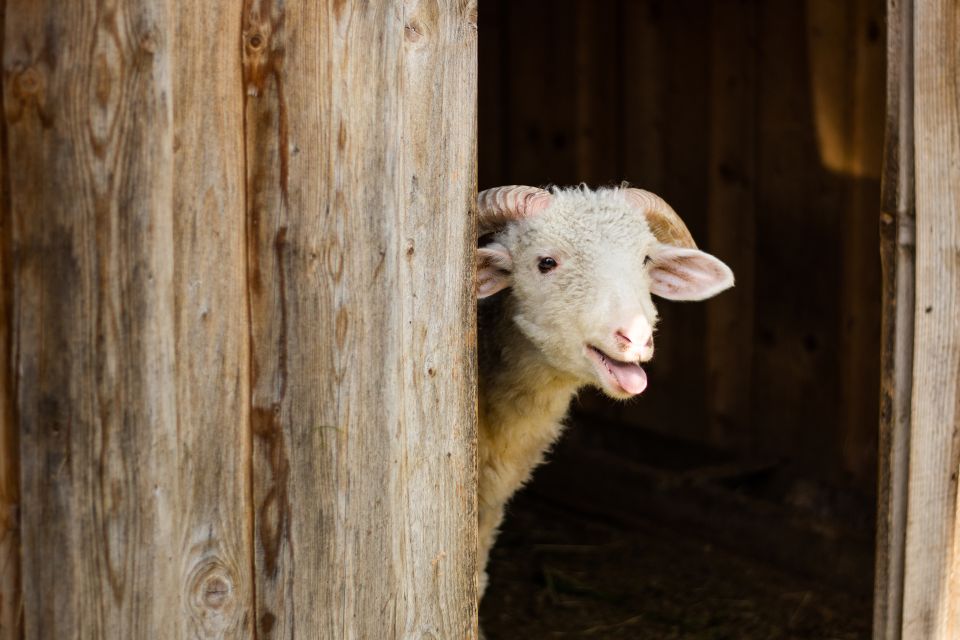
(622, 378)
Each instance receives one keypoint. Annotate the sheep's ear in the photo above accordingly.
(687, 274)
(494, 269)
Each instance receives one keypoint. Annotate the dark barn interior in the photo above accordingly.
(736, 497)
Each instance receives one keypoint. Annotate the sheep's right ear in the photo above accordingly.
(494, 269)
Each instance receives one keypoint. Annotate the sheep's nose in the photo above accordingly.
(635, 340)
(638, 338)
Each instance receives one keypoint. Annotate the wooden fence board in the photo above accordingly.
(360, 125)
(598, 74)
(215, 547)
(10, 602)
(731, 220)
(242, 319)
(931, 599)
(897, 231)
(89, 115)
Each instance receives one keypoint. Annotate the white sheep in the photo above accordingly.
(580, 266)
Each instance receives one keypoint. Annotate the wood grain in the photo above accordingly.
(87, 102)
(493, 76)
(931, 597)
(598, 72)
(11, 621)
(643, 35)
(360, 128)
(731, 220)
(215, 544)
(795, 381)
(897, 232)
(540, 94)
(848, 37)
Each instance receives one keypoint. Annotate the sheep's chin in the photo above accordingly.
(618, 379)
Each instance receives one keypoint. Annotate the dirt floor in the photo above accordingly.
(556, 573)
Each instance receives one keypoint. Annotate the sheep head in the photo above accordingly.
(581, 266)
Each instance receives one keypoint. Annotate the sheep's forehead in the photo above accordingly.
(586, 220)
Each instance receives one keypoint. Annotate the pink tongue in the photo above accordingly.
(631, 377)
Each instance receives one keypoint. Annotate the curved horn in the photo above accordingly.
(499, 206)
(664, 222)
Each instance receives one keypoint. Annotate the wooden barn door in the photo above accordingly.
(918, 543)
(238, 381)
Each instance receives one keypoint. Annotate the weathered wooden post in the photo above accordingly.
(360, 127)
(931, 596)
(238, 384)
(918, 591)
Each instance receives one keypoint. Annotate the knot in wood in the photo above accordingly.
(29, 82)
(256, 41)
(148, 42)
(412, 31)
(212, 587)
(216, 590)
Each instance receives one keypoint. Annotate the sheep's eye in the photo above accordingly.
(647, 260)
(546, 264)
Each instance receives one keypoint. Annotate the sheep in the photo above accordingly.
(577, 267)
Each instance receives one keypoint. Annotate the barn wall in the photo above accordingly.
(237, 320)
(762, 124)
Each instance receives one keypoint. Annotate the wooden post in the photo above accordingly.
(90, 124)
(897, 232)
(237, 257)
(10, 600)
(360, 171)
(931, 598)
(212, 373)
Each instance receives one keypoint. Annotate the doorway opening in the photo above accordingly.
(736, 497)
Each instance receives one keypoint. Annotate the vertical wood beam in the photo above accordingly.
(361, 124)
(89, 114)
(931, 597)
(494, 67)
(860, 289)
(540, 93)
(215, 544)
(598, 75)
(897, 232)
(130, 331)
(731, 219)
(11, 619)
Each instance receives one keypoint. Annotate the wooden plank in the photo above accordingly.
(847, 62)
(360, 122)
(931, 598)
(493, 147)
(88, 100)
(541, 98)
(645, 119)
(731, 220)
(599, 86)
(897, 231)
(212, 366)
(796, 383)
(11, 620)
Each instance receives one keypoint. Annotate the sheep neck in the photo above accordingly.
(514, 373)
